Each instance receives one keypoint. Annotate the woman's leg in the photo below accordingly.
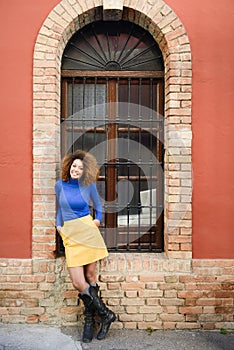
(107, 316)
(81, 284)
(78, 278)
(90, 273)
(82, 276)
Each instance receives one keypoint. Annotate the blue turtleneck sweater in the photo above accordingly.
(73, 201)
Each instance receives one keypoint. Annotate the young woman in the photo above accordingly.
(82, 240)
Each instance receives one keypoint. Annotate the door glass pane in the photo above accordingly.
(86, 99)
(84, 125)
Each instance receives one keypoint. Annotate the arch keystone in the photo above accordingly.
(112, 10)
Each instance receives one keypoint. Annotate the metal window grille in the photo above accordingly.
(116, 119)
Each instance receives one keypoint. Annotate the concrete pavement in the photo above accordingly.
(39, 337)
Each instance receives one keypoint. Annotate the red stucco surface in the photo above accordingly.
(210, 27)
(19, 25)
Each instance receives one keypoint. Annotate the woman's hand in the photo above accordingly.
(97, 222)
(59, 228)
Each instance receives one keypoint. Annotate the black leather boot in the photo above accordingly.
(88, 313)
(107, 316)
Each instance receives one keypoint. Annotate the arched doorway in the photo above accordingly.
(112, 106)
(168, 31)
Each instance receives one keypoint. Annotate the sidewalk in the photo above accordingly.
(37, 337)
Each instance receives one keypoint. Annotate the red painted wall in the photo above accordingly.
(19, 25)
(210, 26)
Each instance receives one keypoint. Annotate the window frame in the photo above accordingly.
(68, 74)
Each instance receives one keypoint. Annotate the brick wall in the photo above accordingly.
(162, 291)
(145, 290)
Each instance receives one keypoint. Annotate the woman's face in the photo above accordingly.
(77, 169)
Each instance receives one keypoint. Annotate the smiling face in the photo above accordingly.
(77, 169)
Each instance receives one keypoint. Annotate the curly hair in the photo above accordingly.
(91, 169)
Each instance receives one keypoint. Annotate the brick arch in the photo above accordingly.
(165, 26)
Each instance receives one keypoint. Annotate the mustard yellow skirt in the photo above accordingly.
(82, 241)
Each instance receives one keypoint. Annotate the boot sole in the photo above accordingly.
(86, 340)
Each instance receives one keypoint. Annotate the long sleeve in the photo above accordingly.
(96, 202)
(59, 219)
